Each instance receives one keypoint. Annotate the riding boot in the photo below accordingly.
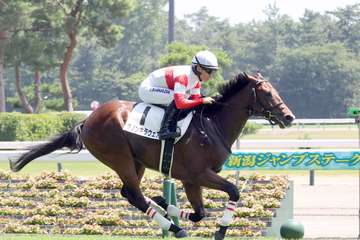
(168, 124)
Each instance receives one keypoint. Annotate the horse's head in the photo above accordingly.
(267, 102)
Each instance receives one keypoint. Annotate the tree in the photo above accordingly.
(145, 38)
(315, 28)
(51, 94)
(348, 25)
(90, 19)
(3, 38)
(98, 81)
(317, 81)
(37, 47)
(13, 15)
(135, 55)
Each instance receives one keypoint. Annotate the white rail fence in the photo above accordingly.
(9, 150)
(312, 121)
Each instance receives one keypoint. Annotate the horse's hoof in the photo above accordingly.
(219, 236)
(181, 234)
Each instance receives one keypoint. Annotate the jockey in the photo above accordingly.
(178, 87)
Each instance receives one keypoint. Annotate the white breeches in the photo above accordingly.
(155, 95)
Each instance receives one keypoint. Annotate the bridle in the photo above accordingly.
(256, 108)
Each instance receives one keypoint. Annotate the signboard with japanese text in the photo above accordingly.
(294, 160)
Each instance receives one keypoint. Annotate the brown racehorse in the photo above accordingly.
(198, 156)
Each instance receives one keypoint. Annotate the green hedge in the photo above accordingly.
(30, 127)
(251, 128)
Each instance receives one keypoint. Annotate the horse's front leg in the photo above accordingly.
(211, 180)
(194, 195)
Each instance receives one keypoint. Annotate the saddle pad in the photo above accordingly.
(145, 120)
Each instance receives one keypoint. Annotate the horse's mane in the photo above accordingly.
(226, 90)
(231, 87)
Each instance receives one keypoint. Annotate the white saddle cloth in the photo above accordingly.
(145, 120)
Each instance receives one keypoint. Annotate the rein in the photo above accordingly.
(216, 129)
(251, 110)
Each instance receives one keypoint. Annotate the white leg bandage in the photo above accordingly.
(160, 219)
(176, 212)
(151, 202)
(228, 214)
(155, 205)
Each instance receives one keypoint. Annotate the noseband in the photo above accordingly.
(265, 112)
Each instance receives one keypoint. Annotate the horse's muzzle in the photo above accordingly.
(284, 121)
(288, 119)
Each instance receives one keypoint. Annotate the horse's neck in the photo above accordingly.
(232, 118)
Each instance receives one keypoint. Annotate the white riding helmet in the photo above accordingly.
(206, 59)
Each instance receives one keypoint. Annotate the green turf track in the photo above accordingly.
(59, 237)
(77, 168)
(92, 237)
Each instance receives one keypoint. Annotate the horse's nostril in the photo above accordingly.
(289, 118)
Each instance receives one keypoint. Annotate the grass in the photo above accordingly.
(299, 172)
(60, 237)
(91, 237)
(75, 168)
(324, 126)
(80, 168)
(304, 133)
(94, 168)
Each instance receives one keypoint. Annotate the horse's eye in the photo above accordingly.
(268, 94)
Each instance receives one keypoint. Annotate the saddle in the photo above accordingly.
(145, 120)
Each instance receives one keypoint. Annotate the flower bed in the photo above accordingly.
(58, 203)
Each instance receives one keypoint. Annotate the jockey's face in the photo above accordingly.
(205, 74)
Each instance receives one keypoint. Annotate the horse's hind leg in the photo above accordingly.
(140, 170)
(156, 202)
(135, 197)
(194, 195)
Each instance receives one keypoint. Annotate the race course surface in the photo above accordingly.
(330, 208)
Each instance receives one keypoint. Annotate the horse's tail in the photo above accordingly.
(70, 139)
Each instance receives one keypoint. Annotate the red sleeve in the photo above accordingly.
(195, 96)
(179, 94)
(182, 79)
(195, 92)
(182, 103)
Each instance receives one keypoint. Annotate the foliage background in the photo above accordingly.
(313, 62)
(32, 127)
